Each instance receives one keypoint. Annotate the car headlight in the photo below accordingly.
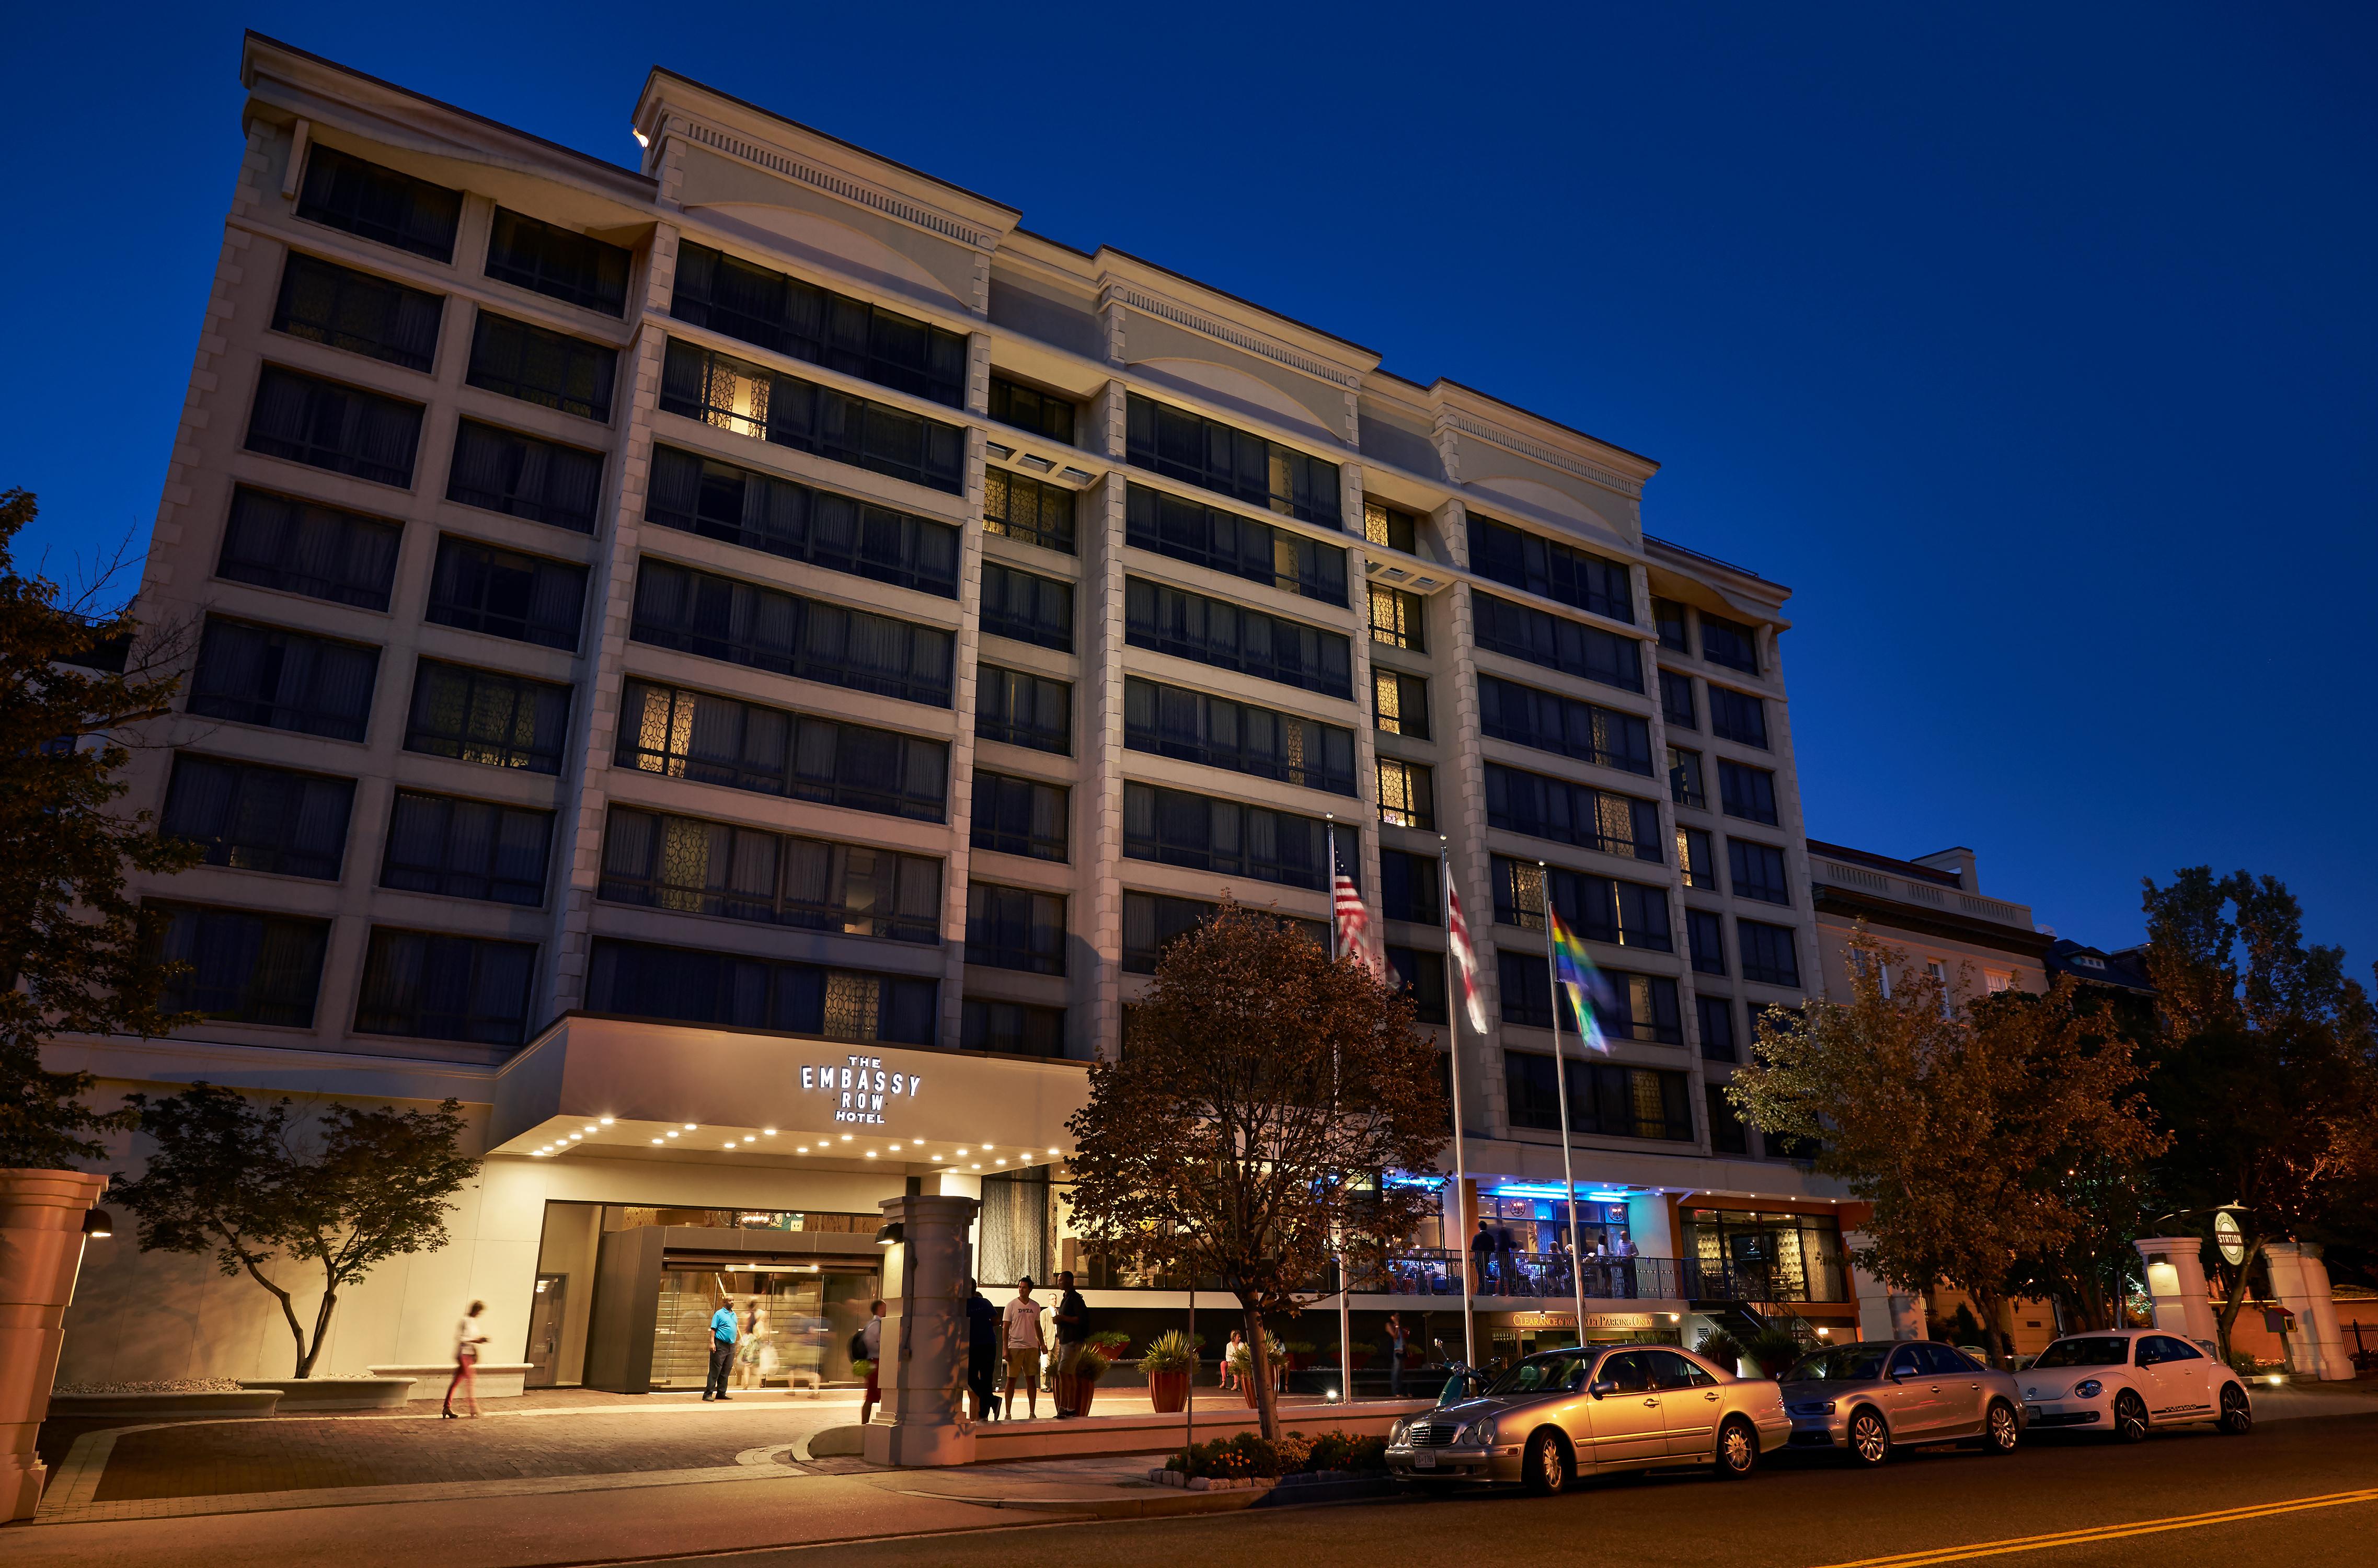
(1479, 1434)
(2087, 1388)
(1815, 1407)
(1400, 1434)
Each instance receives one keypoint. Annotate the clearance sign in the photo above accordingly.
(862, 1086)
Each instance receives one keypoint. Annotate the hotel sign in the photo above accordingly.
(861, 1087)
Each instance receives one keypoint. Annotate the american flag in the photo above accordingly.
(1465, 960)
(1354, 925)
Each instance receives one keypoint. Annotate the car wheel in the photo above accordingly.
(1546, 1469)
(2236, 1414)
(2130, 1418)
(1737, 1450)
(2001, 1430)
(1869, 1439)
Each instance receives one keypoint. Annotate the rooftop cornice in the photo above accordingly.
(1156, 290)
(1539, 439)
(727, 125)
(302, 84)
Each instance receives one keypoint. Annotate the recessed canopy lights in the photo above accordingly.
(749, 1139)
(575, 1137)
(607, 1120)
(1053, 1148)
(689, 1127)
(977, 1165)
(870, 1153)
(589, 1127)
(769, 1132)
(670, 1133)
(656, 1140)
(846, 1137)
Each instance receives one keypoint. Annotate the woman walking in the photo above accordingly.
(468, 1337)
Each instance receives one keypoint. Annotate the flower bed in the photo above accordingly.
(1246, 1456)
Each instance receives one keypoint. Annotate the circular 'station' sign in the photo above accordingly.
(2228, 1238)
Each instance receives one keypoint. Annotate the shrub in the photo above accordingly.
(1171, 1351)
(1241, 1457)
(1247, 1456)
(1338, 1451)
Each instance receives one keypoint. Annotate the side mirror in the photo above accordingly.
(1601, 1386)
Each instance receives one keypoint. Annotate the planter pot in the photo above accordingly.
(1168, 1391)
(1089, 1389)
(41, 1250)
(307, 1396)
(212, 1406)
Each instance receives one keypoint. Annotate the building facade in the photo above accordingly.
(734, 669)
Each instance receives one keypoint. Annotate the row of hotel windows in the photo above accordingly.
(784, 314)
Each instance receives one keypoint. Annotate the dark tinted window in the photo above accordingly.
(1695, 859)
(1027, 608)
(1016, 929)
(324, 425)
(325, 303)
(1151, 921)
(1747, 793)
(2106, 1350)
(1757, 871)
(1735, 717)
(498, 721)
(561, 262)
(718, 740)
(1547, 808)
(438, 843)
(718, 500)
(1011, 1028)
(1768, 954)
(1597, 908)
(1705, 934)
(1173, 720)
(440, 988)
(806, 322)
(742, 623)
(1519, 631)
(1715, 1015)
(285, 680)
(1528, 561)
(1231, 637)
(1028, 408)
(1676, 701)
(1208, 537)
(1586, 731)
(1641, 1007)
(1016, 815)
(244, 967)
(504, 471)
(736, 395)
(1015, 506)
(683, 863)
(1685, 783)
(1730, 643)
(1238, 463)
(1729, 1134)
(1409, 887)
(504, 593)
(1604, 1100)
(1669, 616)
(253, 817)
(687, 986)
(1022, 709)
(539, 366)
(305, 547)
(1421, 972)
(364, 198)
(1176, 828)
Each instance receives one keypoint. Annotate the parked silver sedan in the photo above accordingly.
(1561, 1415)
(1870, 1398)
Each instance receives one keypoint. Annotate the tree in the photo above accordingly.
(77, 955)
(1246, 1131)
(1963, 1128)
(2267, 1073)
(259, 1187)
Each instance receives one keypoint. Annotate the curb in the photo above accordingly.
(1170, 1502)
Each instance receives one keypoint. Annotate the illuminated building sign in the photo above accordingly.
(862, 1087)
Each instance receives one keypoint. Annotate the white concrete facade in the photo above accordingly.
(1097, 329)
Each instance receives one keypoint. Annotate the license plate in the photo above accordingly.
(1423, 1461)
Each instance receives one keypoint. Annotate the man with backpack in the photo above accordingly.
(867, 1345)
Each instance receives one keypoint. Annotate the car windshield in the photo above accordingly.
(1845, 1363)
(1556, 1368)
(2089, 1351)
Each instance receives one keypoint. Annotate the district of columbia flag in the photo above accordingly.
(1465, 962)
(1574, 973)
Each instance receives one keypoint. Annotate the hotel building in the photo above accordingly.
(733, 668)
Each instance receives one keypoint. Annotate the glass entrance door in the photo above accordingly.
(796, 1321)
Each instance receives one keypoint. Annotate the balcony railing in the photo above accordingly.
(1436, 1271)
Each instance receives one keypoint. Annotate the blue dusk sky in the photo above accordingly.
(2032, 345)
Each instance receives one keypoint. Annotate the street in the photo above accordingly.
(1938, 1506)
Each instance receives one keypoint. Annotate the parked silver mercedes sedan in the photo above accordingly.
(1868, 1398)
(1563, 1414)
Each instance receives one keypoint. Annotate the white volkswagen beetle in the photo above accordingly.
(2126, 1380)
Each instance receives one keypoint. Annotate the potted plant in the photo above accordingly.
(1169, 1362)
(1099, 1352)
(1243, 1362)
(1300, 1355)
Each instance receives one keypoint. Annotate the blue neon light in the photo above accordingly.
(1547, 1189)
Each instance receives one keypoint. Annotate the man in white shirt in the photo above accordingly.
(1021, 1333)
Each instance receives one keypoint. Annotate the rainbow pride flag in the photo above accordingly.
(1574, 973)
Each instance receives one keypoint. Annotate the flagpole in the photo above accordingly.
(1560, 1080)
(1453, 1070)
(1345, 1280)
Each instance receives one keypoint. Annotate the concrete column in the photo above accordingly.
(922, 1374)
(2299, 1280)
(2176, 1284)
(41, 1252)
(1882, 1312)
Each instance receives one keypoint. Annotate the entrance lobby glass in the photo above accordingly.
(796, 1321)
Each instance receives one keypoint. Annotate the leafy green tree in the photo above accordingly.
(78, 954)
(261, 1188)
(1264, 1092)
(1963, 1127)
(2267, 1073)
